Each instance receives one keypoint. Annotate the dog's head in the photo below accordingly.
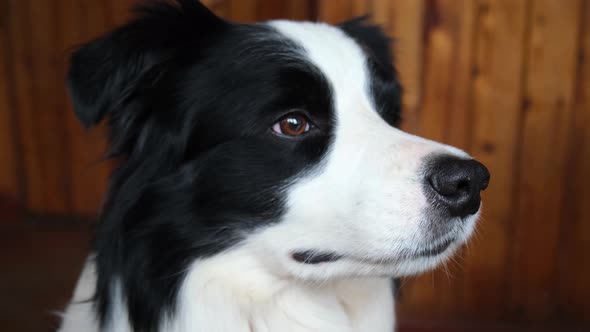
(278, 138)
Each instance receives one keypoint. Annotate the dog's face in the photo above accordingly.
(367, 206)
(279, 139)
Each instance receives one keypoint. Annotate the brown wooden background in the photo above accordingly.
(507, 80)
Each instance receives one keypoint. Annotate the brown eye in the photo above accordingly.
(292, 125)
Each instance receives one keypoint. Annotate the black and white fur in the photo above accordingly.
(215, 222)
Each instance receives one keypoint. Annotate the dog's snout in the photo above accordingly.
(457, 183)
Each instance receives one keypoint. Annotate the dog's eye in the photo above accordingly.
(293, 124)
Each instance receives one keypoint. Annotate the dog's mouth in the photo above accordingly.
(436, 249)
(317, 257)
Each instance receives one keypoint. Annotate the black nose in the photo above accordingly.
(456, 184)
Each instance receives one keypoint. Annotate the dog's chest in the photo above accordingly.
(254, 301)
(351, 306)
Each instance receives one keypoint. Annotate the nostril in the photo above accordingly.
(450, 184)
(463, 185)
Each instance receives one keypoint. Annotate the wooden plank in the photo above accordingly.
(380, 13)
(121, 10)
(445, 110)
(299, 10)
(443, 26)
(9, 184)
(243, 11)
(547, 123)
(496, 106)
(47, 125)
(270, 9)
(335, 12)
(69, 31)
(20, 36)
(460, 112)
(362, 7)
(574, 271)
(407, 28)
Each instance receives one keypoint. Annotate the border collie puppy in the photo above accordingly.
(263, 183)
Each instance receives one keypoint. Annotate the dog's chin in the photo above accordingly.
(405, 261)
(388, 265)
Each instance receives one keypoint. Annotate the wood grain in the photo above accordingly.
(574, 271)
(496, 106)
(9, 183)
(50, 141)
(121, 10)
(547, 125)
(300, 10)
(407, 29)
(335, 12)
(243, 11)
(381, 13)
(23, 73)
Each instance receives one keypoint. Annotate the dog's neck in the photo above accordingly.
(242, 296)
(232, 293)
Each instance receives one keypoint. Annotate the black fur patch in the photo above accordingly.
(190, 100)
(385, 86)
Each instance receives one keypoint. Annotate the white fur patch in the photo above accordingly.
(80, 314)
(236, 291)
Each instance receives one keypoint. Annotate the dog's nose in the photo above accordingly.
(457, 183)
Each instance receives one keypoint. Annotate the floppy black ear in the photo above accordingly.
(105, 74)
(372, 38)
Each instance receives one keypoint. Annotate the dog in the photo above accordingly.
(263, 183)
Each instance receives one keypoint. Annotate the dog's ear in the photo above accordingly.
(372, 38)
(106, 74)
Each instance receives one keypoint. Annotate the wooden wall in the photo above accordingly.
(507, 80)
